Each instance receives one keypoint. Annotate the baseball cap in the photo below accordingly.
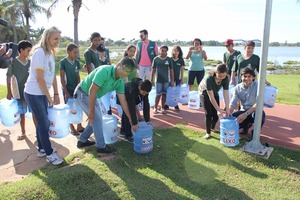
(228, 42)
(250, 43)
(101, 48)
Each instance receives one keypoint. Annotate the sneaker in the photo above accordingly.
(166, 107)
(163, 111)
(177, 108)
(54, 159)
(106, 149)
(128, 139)
(207, 136)
(41, 153)
(85, 144)
(155, 111)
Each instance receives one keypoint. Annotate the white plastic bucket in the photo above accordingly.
(59, 117)
(110, 132)
(194, 100)
(9, 112)
(76, 113)
(184, 94)
(152, 96)
(270, 96)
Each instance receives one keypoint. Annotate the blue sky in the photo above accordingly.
(182, 20)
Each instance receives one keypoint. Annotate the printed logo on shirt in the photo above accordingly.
(166, 63)
(51, 68)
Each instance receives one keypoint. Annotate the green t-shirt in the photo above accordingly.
(162, 67)
(71, 70)
(105, 77)
(92, 57)
(241, 63)
(177, 64)
(208, 83)
(229, 59)
(21, 72)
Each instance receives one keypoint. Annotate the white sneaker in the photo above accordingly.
(54, 159)
(41, 153)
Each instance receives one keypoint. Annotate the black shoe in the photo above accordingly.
(85, 144)
(166, 107)
(109, 112)
(177, 108)
(106, 149)
(129, 139)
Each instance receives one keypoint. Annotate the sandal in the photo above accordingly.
(21, 137)
(75, 132)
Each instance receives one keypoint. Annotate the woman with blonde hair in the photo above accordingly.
(41, 78)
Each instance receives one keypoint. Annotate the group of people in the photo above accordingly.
(143, 65)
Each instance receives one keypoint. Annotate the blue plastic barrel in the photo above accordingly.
(270, 96)
(59, 117)
(172, 96)
(109, 125)
(229, 131)
(184, 94)
(76, 112)
(152, 95)
(9, 112)
(142, 138)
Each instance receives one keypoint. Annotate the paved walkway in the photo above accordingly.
(18, 158)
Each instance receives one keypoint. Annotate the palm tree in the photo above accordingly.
(12, 15)
(76, 4)
(29, 8)
(18, 11)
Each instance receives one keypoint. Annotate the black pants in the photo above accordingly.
(250, 118)
(125, 125)
(211, 115)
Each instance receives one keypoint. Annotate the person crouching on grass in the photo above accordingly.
(246, 93)
(100, 81)
(136, 92)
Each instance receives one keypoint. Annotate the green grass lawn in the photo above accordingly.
(182, 166)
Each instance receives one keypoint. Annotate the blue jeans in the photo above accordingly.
(39, 107)
(82, 100)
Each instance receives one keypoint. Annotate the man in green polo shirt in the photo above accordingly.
(100, 81)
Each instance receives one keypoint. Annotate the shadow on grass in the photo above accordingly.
(84, 183)
(173, 170)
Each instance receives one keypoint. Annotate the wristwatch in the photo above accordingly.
(247, 113)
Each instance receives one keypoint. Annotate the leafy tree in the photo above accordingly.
(76, 4)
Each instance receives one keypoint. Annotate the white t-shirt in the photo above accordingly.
(43, 61)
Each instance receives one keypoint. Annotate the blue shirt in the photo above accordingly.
(247, 96)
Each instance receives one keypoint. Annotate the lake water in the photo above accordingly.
(278, 55)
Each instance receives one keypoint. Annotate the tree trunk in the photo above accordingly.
(27, 29)
(15, 33)
(76, 8)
